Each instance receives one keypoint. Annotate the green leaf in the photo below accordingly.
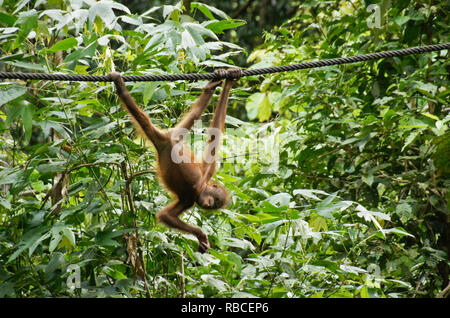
(104, 10)
(218, 27)
(55, 263)
(265, 109)
(13, 113)
(69, 235)
(19, 251)
(63, 45)
(309, 194)
(209, 10)
(28, 66)
(214, 282)
(364, 292)
(411, 123)
(381, 188)
(78, 54)
(267, 228)
(430, 116)
(277, 100)
(36, 243)
(5, 203)
(400, 20)
(10, 94)
(410, 139)
(109, 157)
(149, 90)
(38, 185)
(252, 104)
(26, 22)
(27, 118)
(368, 179)
(268, 207)
(352, 269)
(318, 223)
(6, 19)
(236, 260)
(54, 242)
(106, 237)
(7, 288)
(56, 166)
(258, 105)
(10, 175)
(172, 12)
(253, 234)
(280, 199)
(131, 20)
(98, 132)
(187, 40)
(239, 243)
(428, 89)
(397, 230)
(119, 6)
(198, 31)
(327, 209)
(404, 211)
(442, 153)
(371, 216)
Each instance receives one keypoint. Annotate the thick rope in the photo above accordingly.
(214, 76)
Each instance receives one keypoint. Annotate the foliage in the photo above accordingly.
(351, 201)
(259, 16)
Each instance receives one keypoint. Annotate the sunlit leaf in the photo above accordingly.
(209, 10)
(220, 26)
(63, 45)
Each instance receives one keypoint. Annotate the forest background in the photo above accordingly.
(351, 200)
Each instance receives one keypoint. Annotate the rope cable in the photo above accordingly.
(214, 76)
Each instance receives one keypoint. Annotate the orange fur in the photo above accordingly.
(187, 180)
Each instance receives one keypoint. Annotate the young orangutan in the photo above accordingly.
(183, 176)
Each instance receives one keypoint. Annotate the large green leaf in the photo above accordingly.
(9, 94)
(26, 22)
(258, 106)
(27, 118)
(219, 27)
(209, 10)
(63, 45)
